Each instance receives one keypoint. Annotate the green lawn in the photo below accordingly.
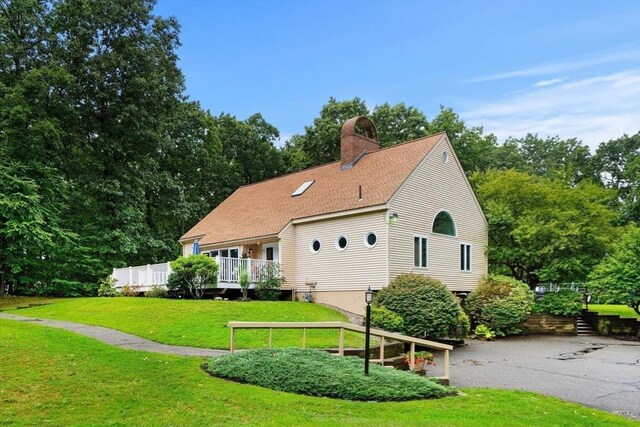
(619, 309)
(196, 323)
(54, 377)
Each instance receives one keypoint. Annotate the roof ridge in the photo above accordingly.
(399, 144)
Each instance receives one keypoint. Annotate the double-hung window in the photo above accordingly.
(420, 251)
(465, 257)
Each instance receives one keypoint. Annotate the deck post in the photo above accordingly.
(233, 340)
(130, 275)
(382, 350)
(168, 273)
(220, 278)
(304, 337)
(270, 336)
(149, 276)
(446, 364)
(341, 343)
(412, 354)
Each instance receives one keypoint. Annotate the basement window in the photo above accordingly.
(302, 188)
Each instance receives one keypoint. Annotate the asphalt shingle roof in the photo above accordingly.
(265, 208)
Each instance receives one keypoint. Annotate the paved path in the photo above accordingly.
(117, 338)
(596, 371)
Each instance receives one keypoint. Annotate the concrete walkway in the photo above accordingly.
(117, 338)
(595, 371)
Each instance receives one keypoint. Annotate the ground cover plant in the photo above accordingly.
(426, 306)
(619, 309)
(318, 373)
(75, 380)
(199, 323)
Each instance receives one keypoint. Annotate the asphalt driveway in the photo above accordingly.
(595, 371)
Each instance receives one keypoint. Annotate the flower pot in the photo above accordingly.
(419, 365)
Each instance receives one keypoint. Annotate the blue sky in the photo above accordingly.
(568, 68)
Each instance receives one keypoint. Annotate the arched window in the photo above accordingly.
(443, 224)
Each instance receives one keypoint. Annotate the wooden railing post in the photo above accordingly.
(382, 350)
(341, 343)
(304, 337)
(233, 340)
(412, 354)
(446, 364)
(270, 336)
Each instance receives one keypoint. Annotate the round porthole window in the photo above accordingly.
(370, 239)
(445, 157)
(341, 243)
(314, 246)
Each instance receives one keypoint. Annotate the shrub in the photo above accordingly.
(245, 281)
(271, 280)
(192, 275)
(156, 292)
(107, 287)
(317, 373)
(383, 318)
(426, 306)
(501, 303)
(129, 290)
(562, 303)
(484, 332)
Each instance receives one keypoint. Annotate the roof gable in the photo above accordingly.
(265, 208)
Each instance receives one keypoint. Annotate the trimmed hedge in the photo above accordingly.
(426, 306)
(501, 303)
(317, 373)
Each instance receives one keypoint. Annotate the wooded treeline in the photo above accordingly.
(104, 162)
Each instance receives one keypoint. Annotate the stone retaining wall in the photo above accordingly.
(612, 325)
(548, 324)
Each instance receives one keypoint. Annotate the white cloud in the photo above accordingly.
(543, 83)
(561, 67)
(593, 110)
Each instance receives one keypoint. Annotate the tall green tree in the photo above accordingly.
(542, 229)
(618, 163)
(616, 279)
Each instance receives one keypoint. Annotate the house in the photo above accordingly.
(339, 228)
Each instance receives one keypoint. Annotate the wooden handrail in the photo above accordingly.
(341, 326)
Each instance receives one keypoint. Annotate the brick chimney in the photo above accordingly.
(355, 145)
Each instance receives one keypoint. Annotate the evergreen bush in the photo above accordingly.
(562, 303)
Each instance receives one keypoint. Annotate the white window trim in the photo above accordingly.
(455, 225)
(311, 246)
(338, 246)
(414, 251)
(465, 254)
(366, 243)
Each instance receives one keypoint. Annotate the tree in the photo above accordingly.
(565, 159)
(193, 274)
(542, 229)
(398, 123)
(30, 230)
(616, 279)
(475, 150)
(618, 163)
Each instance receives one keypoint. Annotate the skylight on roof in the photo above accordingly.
(302, 188)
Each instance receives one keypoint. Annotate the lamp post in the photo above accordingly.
(368, 298)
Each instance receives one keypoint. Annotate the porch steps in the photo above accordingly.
(584, 328)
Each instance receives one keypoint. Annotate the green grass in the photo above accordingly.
(619, 309)
(54, 377)
(318, 373)
(198, 323)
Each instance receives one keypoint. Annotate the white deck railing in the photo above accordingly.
(229, 269)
